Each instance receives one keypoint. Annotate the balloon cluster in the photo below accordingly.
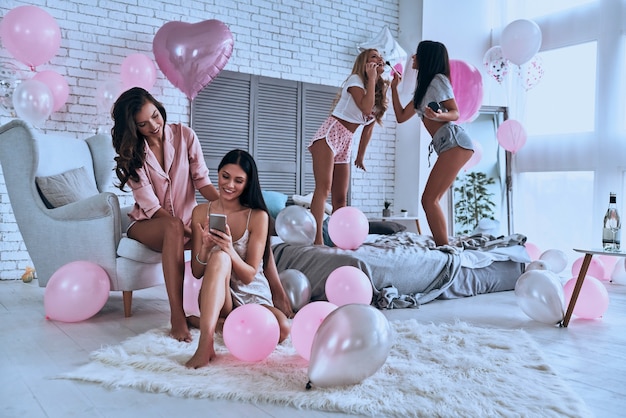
(32, 36)
(542, 296)
(520, 42)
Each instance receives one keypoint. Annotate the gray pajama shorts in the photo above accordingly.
(449, 136)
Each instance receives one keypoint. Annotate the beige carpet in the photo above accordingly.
(432, 371)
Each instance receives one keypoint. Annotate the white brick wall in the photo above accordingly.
(304, 40)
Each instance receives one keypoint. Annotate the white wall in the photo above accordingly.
(304, 40)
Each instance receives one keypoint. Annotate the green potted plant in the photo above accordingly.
(473, 201)
(386, 210)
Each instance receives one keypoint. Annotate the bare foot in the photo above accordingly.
(203, 355)
(180, 331)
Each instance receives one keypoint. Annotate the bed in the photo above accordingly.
(407, 270)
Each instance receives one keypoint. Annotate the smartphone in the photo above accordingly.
(217, 221)
(434, 106)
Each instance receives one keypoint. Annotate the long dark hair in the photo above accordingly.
(129, 144)
(251, 196)
(432, 59)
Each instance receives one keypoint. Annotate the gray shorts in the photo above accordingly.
(449, 136)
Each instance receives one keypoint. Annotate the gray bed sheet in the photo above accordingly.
(407, 263)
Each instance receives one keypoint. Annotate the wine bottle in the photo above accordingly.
(612, 226)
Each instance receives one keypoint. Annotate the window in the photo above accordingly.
(563, 101)
(264, 116)
(553, 210)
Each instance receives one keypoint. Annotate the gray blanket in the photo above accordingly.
(405, 268)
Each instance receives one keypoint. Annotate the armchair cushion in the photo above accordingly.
(67, 187)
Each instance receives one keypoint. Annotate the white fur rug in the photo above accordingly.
(432, 371)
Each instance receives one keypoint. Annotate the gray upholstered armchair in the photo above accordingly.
(60, 192)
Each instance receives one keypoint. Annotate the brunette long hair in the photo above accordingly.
(129, 144)
(432, 59)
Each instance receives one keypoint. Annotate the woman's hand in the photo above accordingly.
(358, 162)
(371, 69)
(396, 80)
(222, 239)
(431, 114)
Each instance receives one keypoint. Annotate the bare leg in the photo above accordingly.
(323, 173)
(283, 322)
(215, 302)
(445, 170)
(339, 188)
(167, 235)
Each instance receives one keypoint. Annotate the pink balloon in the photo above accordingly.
(476, 157)
(57, 85)
(348, 284)
(593, 299)
(596, 268)
(609, 264)
(191, 291)
(520, 41)
(251, 332)
(533, 251)
(305, 325)
(138, 71)
(33, 101)
(192, 55)
(30, 34)
(76, 291)
(511, 135)
(467, 85)
(348, 227)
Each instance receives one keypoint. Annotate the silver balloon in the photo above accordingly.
(297, 287)
(540, 295)
(296, 225)
(351, 344)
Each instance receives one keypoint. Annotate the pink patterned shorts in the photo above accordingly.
(338, 138)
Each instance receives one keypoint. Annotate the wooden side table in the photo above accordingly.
(581, 277)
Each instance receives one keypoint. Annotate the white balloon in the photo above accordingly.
(388, 47)
(520, 41)
(33, 101)
(556, 259)
(618, 276)
(296, 225)
(351, 344)
(540, 295)
(538, 265)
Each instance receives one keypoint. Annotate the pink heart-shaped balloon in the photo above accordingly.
(191, 55)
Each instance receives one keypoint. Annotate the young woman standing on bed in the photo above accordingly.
(231, 262)
(451, 143)
(363, 101)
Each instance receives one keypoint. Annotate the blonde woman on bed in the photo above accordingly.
(231, 262)
(363, 101)
(452, 145)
